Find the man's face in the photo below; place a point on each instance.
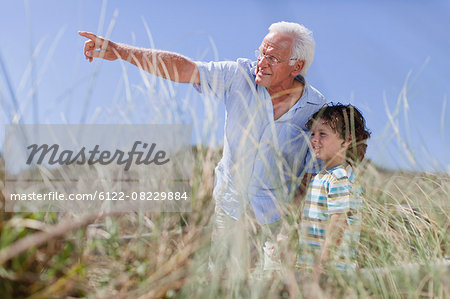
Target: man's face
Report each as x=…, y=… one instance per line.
x=278, y=76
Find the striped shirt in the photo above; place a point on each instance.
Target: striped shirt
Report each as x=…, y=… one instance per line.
x=331, y=191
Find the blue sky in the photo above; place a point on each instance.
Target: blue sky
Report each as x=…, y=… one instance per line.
x=388, y=58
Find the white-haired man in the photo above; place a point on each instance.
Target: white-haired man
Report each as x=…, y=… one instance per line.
x=268, y=103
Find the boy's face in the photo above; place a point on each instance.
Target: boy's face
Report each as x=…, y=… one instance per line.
x=327, y=144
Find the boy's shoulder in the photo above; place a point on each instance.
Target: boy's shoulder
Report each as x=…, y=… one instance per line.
x=342, y=171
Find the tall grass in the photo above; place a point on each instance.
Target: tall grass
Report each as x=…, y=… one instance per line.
x=403, y=253
x=404, y=243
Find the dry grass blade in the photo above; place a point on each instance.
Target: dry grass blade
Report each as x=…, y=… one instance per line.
x=173, y=274
x=39, y=238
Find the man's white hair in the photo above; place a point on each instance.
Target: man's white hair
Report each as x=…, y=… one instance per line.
x=304, y=45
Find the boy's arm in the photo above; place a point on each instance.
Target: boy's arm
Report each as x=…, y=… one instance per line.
x=305, y=183
x=301, y=190
x=335, y=231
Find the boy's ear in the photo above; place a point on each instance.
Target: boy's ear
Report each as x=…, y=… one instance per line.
x=348, y=142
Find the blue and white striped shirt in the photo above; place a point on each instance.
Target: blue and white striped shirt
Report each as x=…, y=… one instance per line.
x=331, y=191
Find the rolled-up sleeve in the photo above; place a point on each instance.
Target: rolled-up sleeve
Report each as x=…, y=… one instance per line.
x=215, y=77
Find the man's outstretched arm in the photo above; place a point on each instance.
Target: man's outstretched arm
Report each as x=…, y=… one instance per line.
x=164, y=64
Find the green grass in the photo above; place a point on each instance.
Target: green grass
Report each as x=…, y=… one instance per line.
x=404, y=242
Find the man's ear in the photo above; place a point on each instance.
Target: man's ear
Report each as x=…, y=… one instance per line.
x=298, y=67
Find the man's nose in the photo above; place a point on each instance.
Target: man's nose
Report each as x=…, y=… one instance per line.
x=262, y=61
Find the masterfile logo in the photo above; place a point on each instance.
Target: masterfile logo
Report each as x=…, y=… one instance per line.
x=112, y=167
x=53, y=155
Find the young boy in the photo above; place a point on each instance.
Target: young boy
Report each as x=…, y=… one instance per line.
x=331, y=219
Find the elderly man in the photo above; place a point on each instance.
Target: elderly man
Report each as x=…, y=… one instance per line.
x=268, y=103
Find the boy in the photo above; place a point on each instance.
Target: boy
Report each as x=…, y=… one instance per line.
x=331, y=219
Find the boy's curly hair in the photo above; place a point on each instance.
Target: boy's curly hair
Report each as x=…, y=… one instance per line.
x=349, y=123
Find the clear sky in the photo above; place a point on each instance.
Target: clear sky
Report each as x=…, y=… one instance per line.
x=388, y=58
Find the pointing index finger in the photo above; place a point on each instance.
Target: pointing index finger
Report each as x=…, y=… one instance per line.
x=89, y=35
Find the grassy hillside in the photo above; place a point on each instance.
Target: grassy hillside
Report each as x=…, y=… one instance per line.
x=404, y=246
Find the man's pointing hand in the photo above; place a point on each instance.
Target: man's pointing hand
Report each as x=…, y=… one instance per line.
x=98, y=46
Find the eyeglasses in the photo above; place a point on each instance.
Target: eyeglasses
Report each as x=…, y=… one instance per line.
x=272, y=60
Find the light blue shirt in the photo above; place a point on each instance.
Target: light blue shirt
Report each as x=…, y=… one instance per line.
x=263, y=159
